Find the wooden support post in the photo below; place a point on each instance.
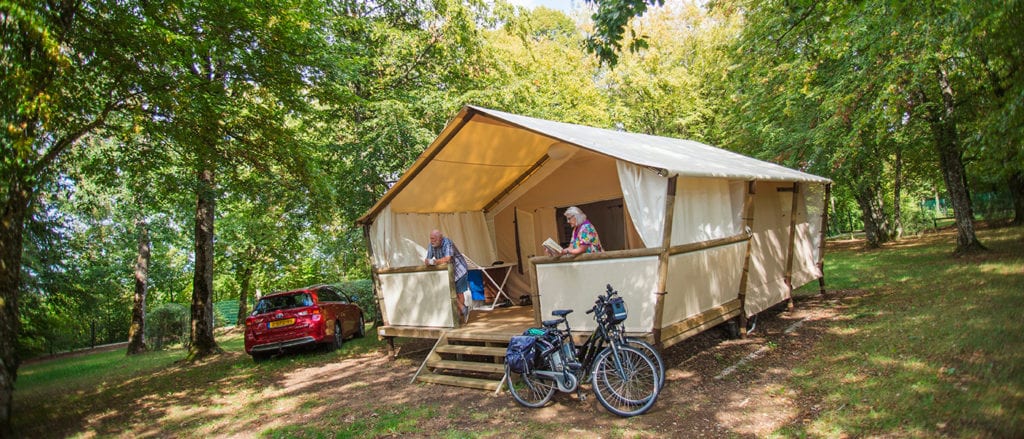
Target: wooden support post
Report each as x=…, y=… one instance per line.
x=748, y=225
x=535, y=294
x=456, y=312
x=792, y=244
x=382, y=319
x=663, y=259
x=824, y=234
x=392, y=352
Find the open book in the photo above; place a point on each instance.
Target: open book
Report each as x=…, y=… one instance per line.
x=552, y=246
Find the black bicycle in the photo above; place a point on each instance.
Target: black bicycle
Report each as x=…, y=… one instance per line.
x=623, y=378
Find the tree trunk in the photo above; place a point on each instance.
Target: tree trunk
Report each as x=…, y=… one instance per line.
x=897, y=220
x=876, y=227
x=243, y=295
x=1016, y=184
x=12, y=222
x=137, y=329
x=950, y=160
x=202, y=341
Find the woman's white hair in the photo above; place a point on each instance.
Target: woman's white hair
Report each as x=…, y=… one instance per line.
x=575, y=212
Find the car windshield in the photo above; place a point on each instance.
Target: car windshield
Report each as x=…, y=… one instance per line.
x=274, y=303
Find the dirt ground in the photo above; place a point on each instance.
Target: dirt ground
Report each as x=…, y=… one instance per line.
x=716, y=387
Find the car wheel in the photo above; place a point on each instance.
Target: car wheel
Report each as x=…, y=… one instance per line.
x=339, y=337
x=361, y=332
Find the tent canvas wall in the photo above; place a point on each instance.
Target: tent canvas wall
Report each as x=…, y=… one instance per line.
x=705, y=234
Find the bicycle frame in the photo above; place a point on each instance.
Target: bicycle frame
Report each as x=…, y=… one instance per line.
x=579, y=359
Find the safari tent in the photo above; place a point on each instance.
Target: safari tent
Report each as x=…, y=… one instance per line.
x=694, y=235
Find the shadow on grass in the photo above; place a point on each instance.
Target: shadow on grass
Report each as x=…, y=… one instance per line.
x=226, y=395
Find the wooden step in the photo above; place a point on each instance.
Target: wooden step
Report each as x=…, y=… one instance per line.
x=472, y=350
x=449, y=380
x=473, y=366
x=464, y=335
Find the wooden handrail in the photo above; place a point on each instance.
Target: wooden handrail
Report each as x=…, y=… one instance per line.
x=641, y=252
x=410, y=269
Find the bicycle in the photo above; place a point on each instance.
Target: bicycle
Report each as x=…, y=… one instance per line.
x=623, y=378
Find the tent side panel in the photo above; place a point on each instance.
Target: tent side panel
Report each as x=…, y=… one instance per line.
x=805, y=268
x=702, y=280
x=575, y=286
x=417, y=299
x=772, y=211
x=807, y=248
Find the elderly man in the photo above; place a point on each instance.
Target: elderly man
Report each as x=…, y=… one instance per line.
x=443, y=251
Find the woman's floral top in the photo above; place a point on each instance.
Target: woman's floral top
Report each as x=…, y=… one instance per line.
x=586, y=235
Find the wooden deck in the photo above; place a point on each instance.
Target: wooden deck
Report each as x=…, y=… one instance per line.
x=500, y=323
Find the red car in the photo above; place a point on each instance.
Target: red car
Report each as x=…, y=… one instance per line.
x=320, y=315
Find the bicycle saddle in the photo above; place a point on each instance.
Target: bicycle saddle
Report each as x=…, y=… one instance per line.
x=552, y=323
x=561, y=312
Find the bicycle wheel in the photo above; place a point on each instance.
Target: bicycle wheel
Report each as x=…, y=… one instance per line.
x=651, y=353
x=529, y=389
x=628, y=386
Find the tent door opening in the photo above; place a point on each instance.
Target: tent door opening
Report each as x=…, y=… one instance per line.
x=608, y=217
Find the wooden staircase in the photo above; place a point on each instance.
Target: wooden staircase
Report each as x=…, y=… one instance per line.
x=466, y=359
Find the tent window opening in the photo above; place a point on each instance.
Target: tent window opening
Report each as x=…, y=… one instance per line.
x=608, y=217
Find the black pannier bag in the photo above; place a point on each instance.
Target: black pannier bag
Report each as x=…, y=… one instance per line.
x=616, y=310
x=521, y=355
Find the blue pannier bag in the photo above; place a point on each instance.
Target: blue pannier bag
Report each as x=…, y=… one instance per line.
x=521, y=355
x=616, y=310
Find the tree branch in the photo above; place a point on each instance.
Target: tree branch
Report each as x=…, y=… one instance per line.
x=62, y=144
x=799, y=21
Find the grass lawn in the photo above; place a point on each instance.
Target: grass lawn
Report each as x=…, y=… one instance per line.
x=922, y=345
x=935, y=346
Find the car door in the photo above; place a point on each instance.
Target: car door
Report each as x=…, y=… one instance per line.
x=339, y=310
x=351, y=313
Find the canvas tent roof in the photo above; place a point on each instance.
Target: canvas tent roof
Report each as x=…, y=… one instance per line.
x=482, y=154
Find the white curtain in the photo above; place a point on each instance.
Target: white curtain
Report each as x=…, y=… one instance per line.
x=644, y=192
x=381, y=231
x=401, y=239
x=814, y=200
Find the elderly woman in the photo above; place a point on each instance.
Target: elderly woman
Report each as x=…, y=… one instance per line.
x=584, y=235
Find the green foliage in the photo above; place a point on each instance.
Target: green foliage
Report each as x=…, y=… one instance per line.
x=610, y=22
x=917, y=220
x=361, y=291
x=167, y=324
x=534, y=67
x=839, y=89
x=676, y=87
x=78, y=294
